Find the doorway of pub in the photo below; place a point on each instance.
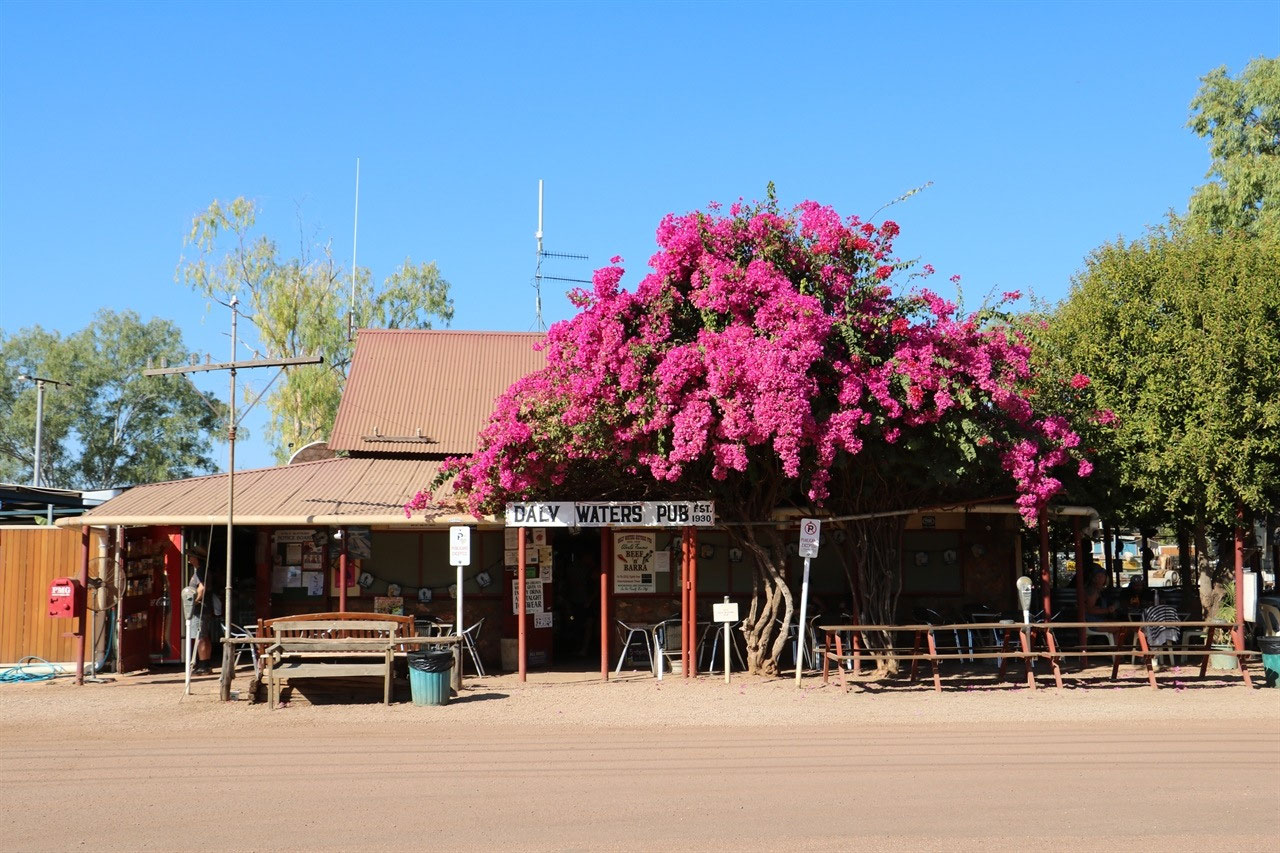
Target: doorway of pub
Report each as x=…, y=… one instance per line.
x=576, y=606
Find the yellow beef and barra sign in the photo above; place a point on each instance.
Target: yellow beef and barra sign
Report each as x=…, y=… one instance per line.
x=612, y=514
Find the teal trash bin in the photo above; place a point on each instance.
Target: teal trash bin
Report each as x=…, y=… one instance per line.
x=429, y=677
x=1270, y=648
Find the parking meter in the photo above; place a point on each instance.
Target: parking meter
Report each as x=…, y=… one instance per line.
x=1024, y=594
x=1024, y=600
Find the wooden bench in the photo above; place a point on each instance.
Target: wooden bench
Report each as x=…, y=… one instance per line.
x=332, y=645
x=1051, y=651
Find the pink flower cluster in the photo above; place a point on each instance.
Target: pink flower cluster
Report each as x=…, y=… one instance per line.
x=760, y=336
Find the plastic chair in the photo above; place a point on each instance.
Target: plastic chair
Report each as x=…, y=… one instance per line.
x=628, y=633
x=468, y=639
x=1269, y=619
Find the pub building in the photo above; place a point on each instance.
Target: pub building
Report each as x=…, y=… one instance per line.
x=328, y=531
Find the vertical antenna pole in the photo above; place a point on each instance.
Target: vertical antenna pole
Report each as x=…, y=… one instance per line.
x=355, y=233
x=537, y=273
x=228, y=653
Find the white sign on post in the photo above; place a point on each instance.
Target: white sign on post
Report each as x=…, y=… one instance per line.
x=810, y=531
x=727, y=612
x=459, y=555
x=459, y=546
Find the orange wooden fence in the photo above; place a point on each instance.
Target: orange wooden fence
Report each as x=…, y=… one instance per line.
x=31, y=557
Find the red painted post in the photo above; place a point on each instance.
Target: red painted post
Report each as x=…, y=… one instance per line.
x=693, y=603
x=604, y=604
x=685, y=559
x=1237, y=635
x=1046, y=581
x=520, y=620
x=1080, y=571
x=342, y=573
x=82, y=613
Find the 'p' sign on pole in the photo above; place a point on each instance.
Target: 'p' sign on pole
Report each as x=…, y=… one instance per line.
x=810, y=531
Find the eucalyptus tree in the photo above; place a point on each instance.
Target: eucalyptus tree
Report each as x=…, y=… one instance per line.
x=111, y=426
x=1240, y=118
x=301, y=306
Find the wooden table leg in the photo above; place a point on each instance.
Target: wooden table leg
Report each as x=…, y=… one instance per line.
x=933, y=650
x=1237, y=639
x=1208, y=644
x=1146, y=658
x=1004, y=659
x=855, y=638
x=1053, y=656
x=840, y=669
x=915, y=661
x=826, y=655
x=1026, y=651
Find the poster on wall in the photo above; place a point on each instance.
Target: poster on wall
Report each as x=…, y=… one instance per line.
x=314, y=582
x=510, y=557
x=359, y=543
x=511, y=537
x=533, y=601
x=633, y=562
x=392, y=604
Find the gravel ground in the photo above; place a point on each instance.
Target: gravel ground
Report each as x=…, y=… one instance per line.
x=565, y=762
x=581, y=700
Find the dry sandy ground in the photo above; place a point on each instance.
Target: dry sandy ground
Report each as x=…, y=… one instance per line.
x=567, y=763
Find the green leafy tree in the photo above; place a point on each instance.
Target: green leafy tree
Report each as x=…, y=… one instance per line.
x=1241, y=119
x=1180, y=333
x=112, y=426
x=300, y=307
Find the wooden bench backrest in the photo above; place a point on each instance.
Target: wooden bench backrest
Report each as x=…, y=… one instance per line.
x=338, y=625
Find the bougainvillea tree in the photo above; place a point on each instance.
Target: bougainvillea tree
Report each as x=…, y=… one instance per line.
x=766, y=361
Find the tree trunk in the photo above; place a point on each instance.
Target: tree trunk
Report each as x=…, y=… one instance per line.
x=771, y=601
x=876, y=546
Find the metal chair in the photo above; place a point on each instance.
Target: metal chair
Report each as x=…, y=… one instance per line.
x=627, y=634
x=716, y=629
x=468, y=639
x=242, y=648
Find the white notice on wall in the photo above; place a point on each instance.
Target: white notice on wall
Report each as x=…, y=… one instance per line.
x=662, y=561
x=511, y=537
x=314, y=582
x=542, y=620
x=532, y=596
x=510, y=557
x=633, y=561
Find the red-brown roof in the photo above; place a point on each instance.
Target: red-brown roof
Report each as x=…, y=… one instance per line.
x=427, y=391
x=331, y=491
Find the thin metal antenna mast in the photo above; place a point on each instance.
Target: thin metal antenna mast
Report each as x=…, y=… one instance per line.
x=355, y=234
x=537, y=272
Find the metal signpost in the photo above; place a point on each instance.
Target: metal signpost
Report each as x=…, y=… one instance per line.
x=459, y=555
x=810, y=531
x=728, y=614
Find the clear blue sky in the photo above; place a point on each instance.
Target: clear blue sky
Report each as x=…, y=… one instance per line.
x=1045, y=128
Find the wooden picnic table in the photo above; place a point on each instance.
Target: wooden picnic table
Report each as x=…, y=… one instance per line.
x=924, y=635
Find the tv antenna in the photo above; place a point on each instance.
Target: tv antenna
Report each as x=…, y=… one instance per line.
x=537, y=273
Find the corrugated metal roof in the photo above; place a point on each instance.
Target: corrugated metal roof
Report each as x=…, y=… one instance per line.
x=406, y=385
x=331, y=491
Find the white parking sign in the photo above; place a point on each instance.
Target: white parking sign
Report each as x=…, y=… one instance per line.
x=810, y=530
x=459, y=546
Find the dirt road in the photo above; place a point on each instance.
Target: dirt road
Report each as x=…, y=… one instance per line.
x=206, y=776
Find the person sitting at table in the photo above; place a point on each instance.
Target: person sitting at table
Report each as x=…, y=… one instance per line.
x=1091, y=606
